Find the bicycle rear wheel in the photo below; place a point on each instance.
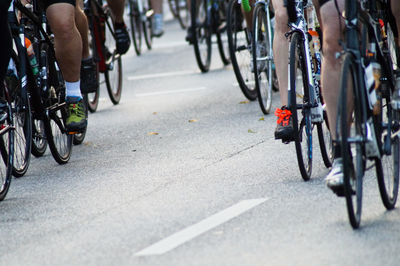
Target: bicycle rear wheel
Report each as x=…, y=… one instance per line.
x=299, y=105
x=201, y=34
x=182, y=13
x=113, y=73
x=60, y=142
x=6, y=142
x=350, y=135
x=136, y=26
x=39, y=140
x=239, y=48
x=325, y=141
x=22, y=121
x=221, y=32
x=262, y=57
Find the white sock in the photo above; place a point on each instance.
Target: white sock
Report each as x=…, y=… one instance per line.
x=73, y=89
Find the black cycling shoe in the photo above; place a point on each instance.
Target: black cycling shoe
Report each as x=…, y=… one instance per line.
x=284, y=128
x=189, y=36
x=89, y=77
x=122, y=38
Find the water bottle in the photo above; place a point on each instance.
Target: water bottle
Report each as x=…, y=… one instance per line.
x=31, y=57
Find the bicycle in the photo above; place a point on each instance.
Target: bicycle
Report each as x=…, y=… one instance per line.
x=140, y=19
x=103, y=49
x=46, y=87
x=368, y=128
x=208, y=18
x=180, y=10
x=262, y=59
x=304, y=95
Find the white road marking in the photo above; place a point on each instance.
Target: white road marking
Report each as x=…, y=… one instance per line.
x=169, y=92
x=163, y=75
x=199, y=228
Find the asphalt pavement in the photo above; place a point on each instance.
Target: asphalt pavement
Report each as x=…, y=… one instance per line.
x=184, y=171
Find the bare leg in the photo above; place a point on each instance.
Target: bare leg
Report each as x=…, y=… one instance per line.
x=83, y=28
x=249, y=16
x=117, y=7
x=156, y=5
x=68, y=43
x=331, y=66
x=281, y=48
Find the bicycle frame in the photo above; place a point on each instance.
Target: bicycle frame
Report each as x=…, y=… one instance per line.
x=300, y=26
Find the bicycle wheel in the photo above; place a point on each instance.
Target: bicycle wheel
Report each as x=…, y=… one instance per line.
x=182, y=13
x=147, y=24
x=240, y=50
x=325, y=141
x=262, y=57
x=298, y=105
x=201, y=34
x=222, y=36
x=349, y=133
x=173, y=7
x=136, y=26
x=23, y=125
x=388, y=165
x=7, y=152
x=113, y=73
x=39, y=141
x=60, y=142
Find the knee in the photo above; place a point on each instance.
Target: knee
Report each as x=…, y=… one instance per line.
x=331, y=37
x=281, y=20
x=63, y=29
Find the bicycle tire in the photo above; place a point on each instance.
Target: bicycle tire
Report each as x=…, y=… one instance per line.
x=113, y=73
x=201, y=34
x=136, y=26
x=353, y=164
x=173, y=8
x=59, y=141
x=147, y=26
x=22, y=121
x=221, y=32
x=298, y=102
x=239, y=44
x=182, y=13
x=39, y=140
x=7, y=153
x=6, y=145
x=262, y=45
x=325, y=141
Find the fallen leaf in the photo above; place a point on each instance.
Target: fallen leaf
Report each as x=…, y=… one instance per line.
x=192, y=120
x=152, y=133
x=243, y=102
x=261, y=119
x=154, y=113
x=251, y=131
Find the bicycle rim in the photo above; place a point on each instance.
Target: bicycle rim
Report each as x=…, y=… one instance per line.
x=39, y=141
x=239, y=48
x=136, y=26
x=349, y=129
x=262, y=58
x=201, y=35
x=298, y=100
x=113, y=72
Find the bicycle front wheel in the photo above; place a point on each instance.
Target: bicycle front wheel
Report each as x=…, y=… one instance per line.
x=299, y=105
x=325, y=141
x=350, y=134
x=201, y=34
x=240, y=50
x=262, y=57
x=113, y=73
x=136, y=26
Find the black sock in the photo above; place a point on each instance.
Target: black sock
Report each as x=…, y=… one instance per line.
x=337, y=153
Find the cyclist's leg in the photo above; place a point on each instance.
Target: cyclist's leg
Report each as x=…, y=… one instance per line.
x=330, y=78
x=158, y=30
x=89, y=81
x=68, y=49
x=249, y=16
x=121, y=33
x=284, y=130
